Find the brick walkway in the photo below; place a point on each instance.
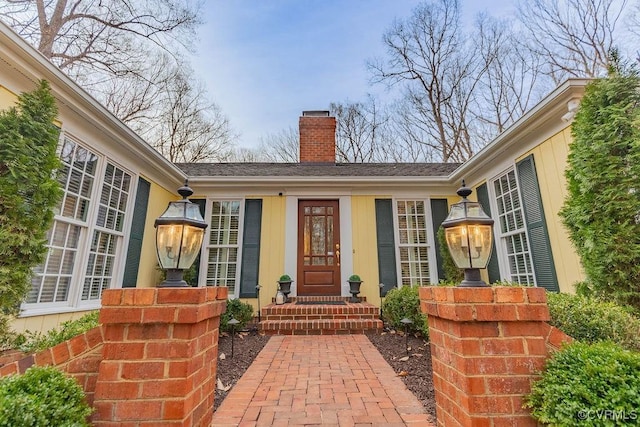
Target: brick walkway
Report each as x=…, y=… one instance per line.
x=320, y=380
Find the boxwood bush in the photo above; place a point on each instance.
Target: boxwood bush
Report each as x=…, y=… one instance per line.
x=32, y=342
x=588, y=385
x=241, y=311
x=404, y=302
x=590, y=320
x=42, y=396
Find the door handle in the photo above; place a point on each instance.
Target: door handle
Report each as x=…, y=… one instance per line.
x=338, y=257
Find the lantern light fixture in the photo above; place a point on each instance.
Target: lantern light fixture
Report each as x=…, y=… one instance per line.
x=179, y=234
x=469, y=234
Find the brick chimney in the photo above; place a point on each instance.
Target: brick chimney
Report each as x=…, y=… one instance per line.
x=317, y=137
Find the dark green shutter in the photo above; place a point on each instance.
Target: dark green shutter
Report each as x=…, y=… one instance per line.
x=493, y=268
x=542, y=257
x=192, y=280
x=439, y=212
x=136, y=235
x=386, y=245
x=250, y=248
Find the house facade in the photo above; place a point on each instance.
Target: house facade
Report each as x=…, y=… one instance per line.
x=317, y=221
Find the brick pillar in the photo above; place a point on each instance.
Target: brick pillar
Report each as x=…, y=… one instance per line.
x=317, y=137
x=159, y=356
x=487, y=345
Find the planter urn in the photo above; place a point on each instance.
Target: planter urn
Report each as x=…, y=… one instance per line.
x=285, y=288
x=354, y=289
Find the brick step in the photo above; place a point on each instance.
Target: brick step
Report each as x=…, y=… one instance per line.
x=321, y=327
x=294, y=318
x=319, y=312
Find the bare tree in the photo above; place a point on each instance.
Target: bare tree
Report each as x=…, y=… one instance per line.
x=361, y=131
x=438, y=67
x=127, y=53
x=191, y=130
x=574, y=37
x=281, y=147
x=91, y=33
x=513, y=80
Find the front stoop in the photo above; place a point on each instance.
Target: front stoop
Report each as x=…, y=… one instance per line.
x=320, y=319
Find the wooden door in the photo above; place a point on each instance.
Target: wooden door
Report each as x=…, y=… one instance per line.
x=318, y=248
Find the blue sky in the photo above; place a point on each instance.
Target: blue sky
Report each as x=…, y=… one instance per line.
x=265, y=61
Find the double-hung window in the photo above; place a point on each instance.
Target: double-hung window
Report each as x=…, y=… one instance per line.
x=87, y=232
x=413, y=245
x=223, y=244
x=511, y=229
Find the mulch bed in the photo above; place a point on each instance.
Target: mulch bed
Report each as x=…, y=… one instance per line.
x=415, y=370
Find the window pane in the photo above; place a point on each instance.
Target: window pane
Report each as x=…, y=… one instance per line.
x=99, y=272
x=223, y=247
x=413, y=245
x=512, y=229
x=113, y=198
x=51, y=280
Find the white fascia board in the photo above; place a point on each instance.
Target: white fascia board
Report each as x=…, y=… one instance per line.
x=525, y=133
x=36, y=66
x=202, y=184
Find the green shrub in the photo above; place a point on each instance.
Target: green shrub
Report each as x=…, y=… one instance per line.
x=590, y=320
x=583, y=381
x=451, y=271
x=32, y=342
x=404, y=302
x=28, y=194
x=241, y=311
x=42, y=396
x=285, y=278
x=602, y=203
x=354, y=278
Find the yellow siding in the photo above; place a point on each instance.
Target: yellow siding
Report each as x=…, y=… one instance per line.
x=551, y=160
x=365, y=249
x=45, y=322
x=148, y=273
x=272, y=236
x=7, y=98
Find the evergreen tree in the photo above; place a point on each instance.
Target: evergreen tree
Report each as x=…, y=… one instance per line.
x=602, y=210
x=28, y=193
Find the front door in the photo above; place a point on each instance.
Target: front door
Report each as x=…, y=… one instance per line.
x=318, y=248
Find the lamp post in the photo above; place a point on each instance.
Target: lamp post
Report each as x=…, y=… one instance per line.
x=381, y=286
x=406, y=322
x=179, y=234
x=258, y=287
x=469, y=235
x=233, y=322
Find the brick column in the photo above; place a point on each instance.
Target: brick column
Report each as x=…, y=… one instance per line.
x=159, y=356
x=487, y=345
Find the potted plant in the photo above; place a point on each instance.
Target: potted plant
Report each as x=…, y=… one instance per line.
x=284, y=284
x=354, y=287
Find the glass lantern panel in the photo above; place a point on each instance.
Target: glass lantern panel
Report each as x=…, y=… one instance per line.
x=458, y=244
x=191, y=243
x=174, y=210
x=480, y=238
x=168, y=239
x=193, y=212
x=456, y=212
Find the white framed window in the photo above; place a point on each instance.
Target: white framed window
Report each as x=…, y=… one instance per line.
x=223, y=244
x=413, y=242
x=88, y=231
x=511, y=230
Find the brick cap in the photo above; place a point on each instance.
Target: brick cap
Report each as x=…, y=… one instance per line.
x=162, y=296
x=497, y=303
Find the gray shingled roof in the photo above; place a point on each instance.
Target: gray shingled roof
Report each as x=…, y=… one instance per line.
x=320, y=170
